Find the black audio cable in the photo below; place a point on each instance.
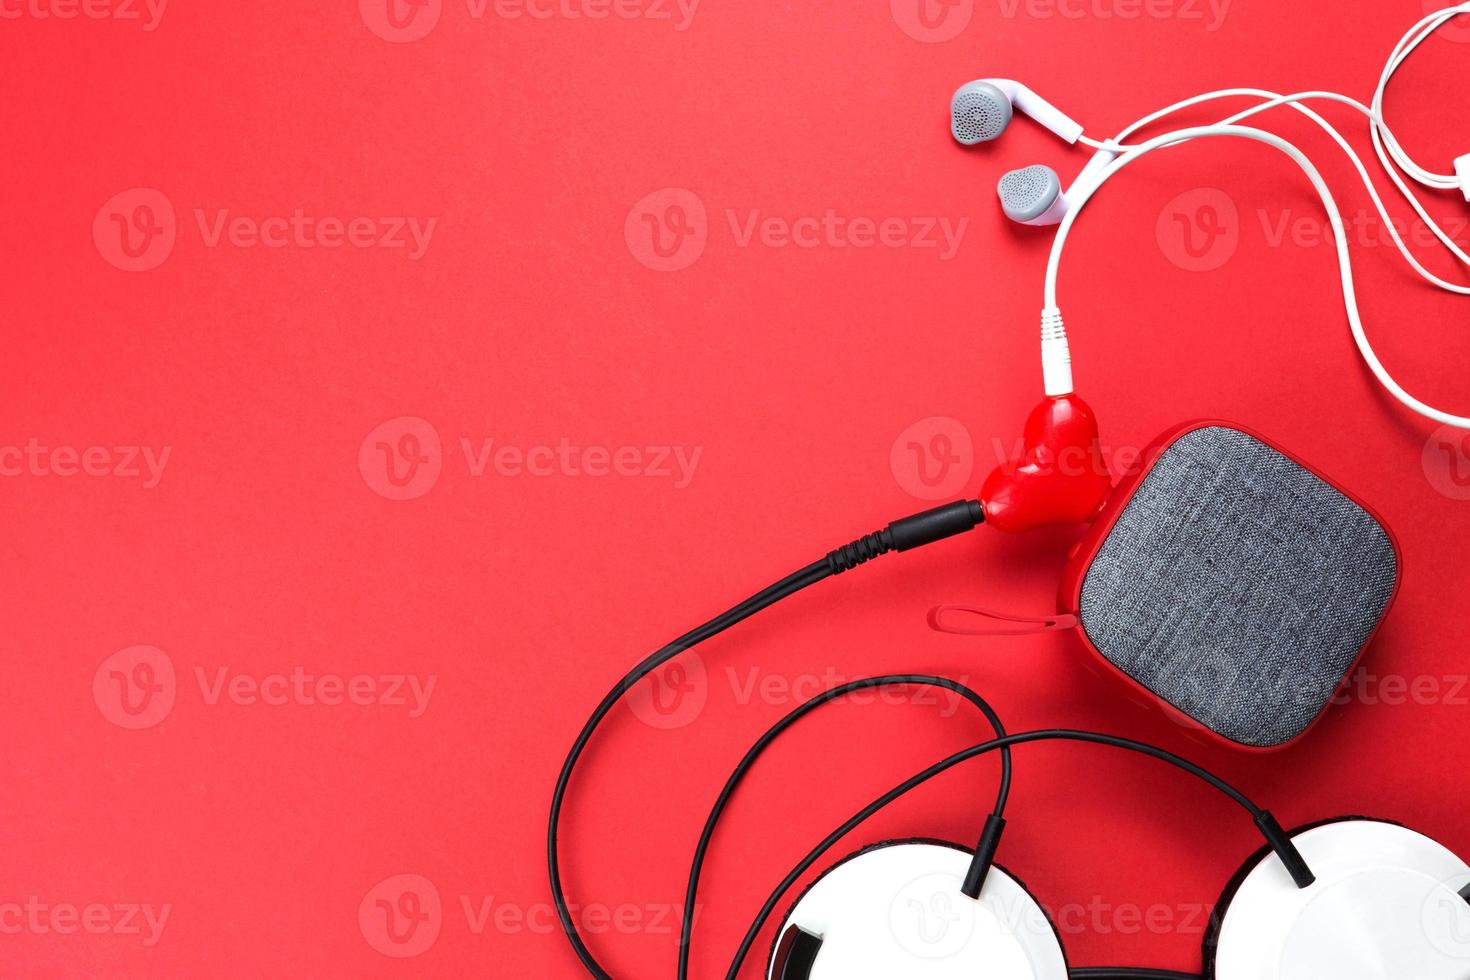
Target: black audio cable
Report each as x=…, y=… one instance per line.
x=990, y=837
x=1267, y=824
x=901, y=535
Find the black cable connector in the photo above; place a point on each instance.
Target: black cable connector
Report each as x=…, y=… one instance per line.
x=901, y=535
x=984, y=858
x=1285, y=848
x=907, y=533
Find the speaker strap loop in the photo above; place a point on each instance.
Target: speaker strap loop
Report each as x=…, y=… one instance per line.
x=978, y=621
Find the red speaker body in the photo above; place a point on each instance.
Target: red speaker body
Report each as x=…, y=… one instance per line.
x=1231, y=584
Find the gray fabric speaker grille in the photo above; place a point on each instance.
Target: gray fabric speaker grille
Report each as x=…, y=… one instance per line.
x=1026, y=193
x=1238, y=586
x=979, y=113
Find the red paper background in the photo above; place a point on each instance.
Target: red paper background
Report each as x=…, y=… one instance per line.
x=796, y=373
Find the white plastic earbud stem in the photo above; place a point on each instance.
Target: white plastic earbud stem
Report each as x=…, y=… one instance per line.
x=1039, y=109
x=1462, y=171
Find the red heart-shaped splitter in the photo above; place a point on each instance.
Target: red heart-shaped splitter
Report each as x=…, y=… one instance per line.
x=1060, y=476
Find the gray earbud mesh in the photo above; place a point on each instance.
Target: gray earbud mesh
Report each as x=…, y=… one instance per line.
x=1238, y=586
x=979, y=112
x=1027, y=193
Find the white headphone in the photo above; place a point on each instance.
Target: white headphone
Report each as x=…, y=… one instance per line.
x=1384, y=905
x=980, y=111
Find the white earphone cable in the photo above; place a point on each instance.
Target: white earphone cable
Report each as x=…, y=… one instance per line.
x=1056, y=357
x=1051, y=316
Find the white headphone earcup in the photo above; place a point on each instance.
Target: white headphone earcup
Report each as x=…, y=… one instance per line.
x=896, y=910
x=1386, y=906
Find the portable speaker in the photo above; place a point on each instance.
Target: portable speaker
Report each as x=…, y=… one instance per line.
x=1233, y=583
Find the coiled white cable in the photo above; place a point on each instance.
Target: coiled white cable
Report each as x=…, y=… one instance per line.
x=1056, y=357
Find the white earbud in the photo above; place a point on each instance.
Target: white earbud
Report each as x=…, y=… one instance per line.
x=1034, y=196
x=981, y=110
